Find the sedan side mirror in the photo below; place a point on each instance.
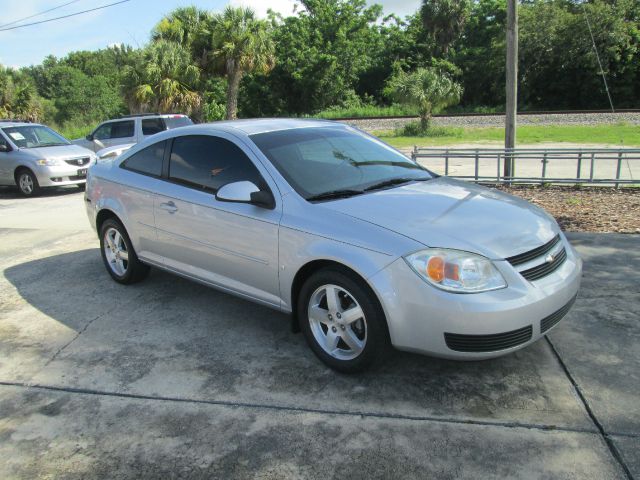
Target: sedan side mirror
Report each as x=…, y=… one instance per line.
x=245, y=192
x=4, y=148
x=89, y=137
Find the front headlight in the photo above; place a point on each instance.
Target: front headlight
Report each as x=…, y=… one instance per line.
x=48, y=162
x=456, y=271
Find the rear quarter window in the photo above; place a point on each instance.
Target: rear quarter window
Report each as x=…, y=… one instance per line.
x=147, y=161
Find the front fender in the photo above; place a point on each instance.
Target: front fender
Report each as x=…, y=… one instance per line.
x=298, y=248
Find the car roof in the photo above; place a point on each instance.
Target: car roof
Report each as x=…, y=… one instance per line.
x=145, y=116
x=263, y=125
x=5, y=123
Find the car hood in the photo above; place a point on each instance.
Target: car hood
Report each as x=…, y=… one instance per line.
x=60, y=152
x=447, y=213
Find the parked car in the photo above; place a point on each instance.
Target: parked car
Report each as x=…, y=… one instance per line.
x=363, y=246
x=33, y=156
x=131, y=129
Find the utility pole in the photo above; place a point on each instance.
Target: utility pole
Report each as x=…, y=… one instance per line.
x=512, y=86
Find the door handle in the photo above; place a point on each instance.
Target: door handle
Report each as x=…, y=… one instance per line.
x=169, y=207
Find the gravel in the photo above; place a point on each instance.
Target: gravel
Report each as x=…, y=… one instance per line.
x=498, y=120
x=590, y=209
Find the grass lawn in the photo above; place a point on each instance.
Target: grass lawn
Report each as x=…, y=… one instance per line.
x=615, y=134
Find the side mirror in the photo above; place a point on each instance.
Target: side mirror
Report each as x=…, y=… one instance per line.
x=4, y=148
x=245, y=192
x=89, y=137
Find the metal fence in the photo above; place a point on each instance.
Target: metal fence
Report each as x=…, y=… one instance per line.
x=535, y=165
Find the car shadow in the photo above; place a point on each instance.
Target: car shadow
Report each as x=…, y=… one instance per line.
x=12, y=193
x=170, y=336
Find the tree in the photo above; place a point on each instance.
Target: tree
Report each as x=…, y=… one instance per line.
x=164, y=80
x=427, y=89
x=240, y=44
x=190, y=27
x=444, y=20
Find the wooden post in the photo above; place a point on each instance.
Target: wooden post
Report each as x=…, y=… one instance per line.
x=512, y=86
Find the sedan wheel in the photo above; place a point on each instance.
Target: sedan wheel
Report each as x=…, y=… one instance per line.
x=118, y=254
x=342, y=320
x=27, y=183
x=116, y=251
x=337, y=322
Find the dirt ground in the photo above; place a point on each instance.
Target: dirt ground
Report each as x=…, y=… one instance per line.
x=586, y=209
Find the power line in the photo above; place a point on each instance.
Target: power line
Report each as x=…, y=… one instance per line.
x=595, y=49
x=64, y=16
x=38, y=14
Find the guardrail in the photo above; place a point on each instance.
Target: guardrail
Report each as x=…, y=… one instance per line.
x=575, y=166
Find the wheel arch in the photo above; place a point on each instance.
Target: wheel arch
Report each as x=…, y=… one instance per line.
x=308, y=269
x=20, y=168
x=104, y=215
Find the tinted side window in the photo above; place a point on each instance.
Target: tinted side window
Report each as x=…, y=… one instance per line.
x=122, y=129
x=210, y=162
x=151, y=126
x=103, y=132
x=3, y=141
x=148, y=160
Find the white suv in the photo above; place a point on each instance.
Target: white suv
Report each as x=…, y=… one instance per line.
x=130, y=129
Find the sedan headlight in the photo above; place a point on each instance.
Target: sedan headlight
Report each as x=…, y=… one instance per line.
x=49, y=162
x=456, y=271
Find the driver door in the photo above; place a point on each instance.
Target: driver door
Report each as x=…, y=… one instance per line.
x=231, y=245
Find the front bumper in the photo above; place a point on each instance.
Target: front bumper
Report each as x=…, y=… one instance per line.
x=427, y=320
x=58, y=176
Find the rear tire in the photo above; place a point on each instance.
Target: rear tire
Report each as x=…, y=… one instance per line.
x=349, y=334
x=27, y=182
x=118, y=255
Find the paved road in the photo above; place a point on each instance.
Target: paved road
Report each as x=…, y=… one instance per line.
x=168, y=379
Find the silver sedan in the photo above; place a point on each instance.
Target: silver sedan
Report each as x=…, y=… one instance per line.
x=33, y=156
x=365, y=248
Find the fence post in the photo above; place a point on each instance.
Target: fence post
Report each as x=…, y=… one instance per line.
x=414, y=153
x=619, y=168
x=446, y=162
x=477, y=161
x=579, y=164
x=544, y=167
x=593, y=160
x=498, y=169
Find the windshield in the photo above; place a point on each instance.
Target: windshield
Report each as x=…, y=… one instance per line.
x=320, y=160
x=33, y=136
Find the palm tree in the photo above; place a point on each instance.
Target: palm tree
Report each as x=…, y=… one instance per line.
x=240, y=44
x=426, y=88
x=444, y=20
x=188, y=26
x=163, y=80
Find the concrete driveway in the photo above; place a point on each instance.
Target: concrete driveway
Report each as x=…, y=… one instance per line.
x=169, y=379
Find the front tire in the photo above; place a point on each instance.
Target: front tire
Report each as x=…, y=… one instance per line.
x=118, y=255
x=342, y=321
x=27, y=183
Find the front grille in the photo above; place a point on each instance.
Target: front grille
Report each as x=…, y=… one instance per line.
x=535, y=253
x=548, y=322
x=546, y=268
x=78, y=162
x=488, y=343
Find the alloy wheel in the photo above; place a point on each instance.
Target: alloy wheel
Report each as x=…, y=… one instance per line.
x=115, y=250
x=337, y=322
x=25, y=181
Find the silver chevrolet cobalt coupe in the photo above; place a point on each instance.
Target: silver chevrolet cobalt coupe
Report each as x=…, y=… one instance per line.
x=364, y=247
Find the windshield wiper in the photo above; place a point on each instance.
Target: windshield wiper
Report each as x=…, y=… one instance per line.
x=395, y=181
x=332, y=194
